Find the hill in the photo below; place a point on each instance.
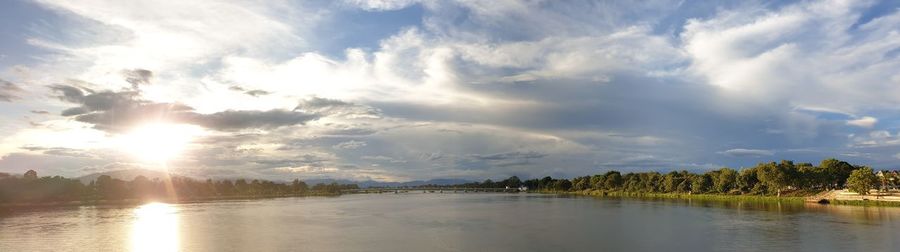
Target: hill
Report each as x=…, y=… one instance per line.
x=126, y=175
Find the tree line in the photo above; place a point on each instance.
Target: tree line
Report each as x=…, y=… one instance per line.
x=30, y=188
x=772, y=178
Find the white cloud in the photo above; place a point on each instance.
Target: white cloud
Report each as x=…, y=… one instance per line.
x=748, y=152
x=382, y=5
x=349, y=145
x=864, y=122
x=799, y=54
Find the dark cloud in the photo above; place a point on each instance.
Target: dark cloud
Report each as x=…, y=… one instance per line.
x=241, y=119
x=59, y=151
x=254, y=92
x=137, y=77
x=116, y=111
x=257, y=93
x=8, y=90
x=68, y=93
x=40, y=112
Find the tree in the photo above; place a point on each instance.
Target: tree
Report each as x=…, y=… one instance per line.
x=700, y=183
x=597, y=181
x=725, y=181
x=30, y=175
x=747, y=180
x=836, y=172
x=298, y=186
x=613, y=180
x=581, y=183
x=513, y=182
x=670, y=181
x=562, y=185
x=772, y=175
x=861, y=180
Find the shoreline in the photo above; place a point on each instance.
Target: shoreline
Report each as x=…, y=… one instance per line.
x=722, y=197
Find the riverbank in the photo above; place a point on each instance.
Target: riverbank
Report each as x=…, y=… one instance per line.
x=688, y=196
x=843, y=199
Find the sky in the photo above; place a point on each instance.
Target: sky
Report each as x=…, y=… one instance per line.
x=411, y=90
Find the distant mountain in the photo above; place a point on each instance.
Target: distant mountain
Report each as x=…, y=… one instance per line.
x=129, y=174
x=126, y=175
x=371, y=183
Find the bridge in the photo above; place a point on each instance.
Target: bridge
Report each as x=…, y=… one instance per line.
x=431, y=190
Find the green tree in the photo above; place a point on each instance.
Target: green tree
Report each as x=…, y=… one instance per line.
x=836, y=172
x=670, y=181
x=726, y=180
x=513, y=182
x=772, y=176
x=701, y=183
x=597, y=181
x=613, y=180
x=861, y=180
x=747, y=180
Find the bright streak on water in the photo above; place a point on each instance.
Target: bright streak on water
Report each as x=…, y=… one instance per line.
x=155, y=228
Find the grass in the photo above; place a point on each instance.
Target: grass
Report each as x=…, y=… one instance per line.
x=724, y=198
x=711, y=197
x=873, y=203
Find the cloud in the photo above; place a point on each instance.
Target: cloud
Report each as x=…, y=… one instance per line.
x=349, y=145
x=117, y=111
x=60, y=151
x=509, y=155
x=254, y=92
x=382, y=5
x=8, y=91
x=257, y=92
x=333, y=107
x=748, y=152
x=473, y=89
x=380, y=158
x=137, y=77
x=236, y=120
x=864, y=122
x=875, y=139
x=798, y=53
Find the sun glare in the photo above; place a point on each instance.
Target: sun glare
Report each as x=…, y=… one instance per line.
x=159, y=142
x=155, y=228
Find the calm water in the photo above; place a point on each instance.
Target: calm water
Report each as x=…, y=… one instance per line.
x=455, y=222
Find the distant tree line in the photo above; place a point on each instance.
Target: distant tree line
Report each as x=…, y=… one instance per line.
x=771, y=178
x=31, y=188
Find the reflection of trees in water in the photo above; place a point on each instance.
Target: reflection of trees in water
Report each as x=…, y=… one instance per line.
x=858, y=213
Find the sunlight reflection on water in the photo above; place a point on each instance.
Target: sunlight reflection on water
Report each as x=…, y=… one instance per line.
x=155, y=228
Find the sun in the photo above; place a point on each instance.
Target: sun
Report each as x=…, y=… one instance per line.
x=159, y=142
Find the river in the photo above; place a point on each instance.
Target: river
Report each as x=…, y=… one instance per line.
x=454, y=222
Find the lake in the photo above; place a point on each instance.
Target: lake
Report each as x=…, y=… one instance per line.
x=455, y=222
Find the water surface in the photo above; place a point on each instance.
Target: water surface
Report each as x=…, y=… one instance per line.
x=455, y=222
